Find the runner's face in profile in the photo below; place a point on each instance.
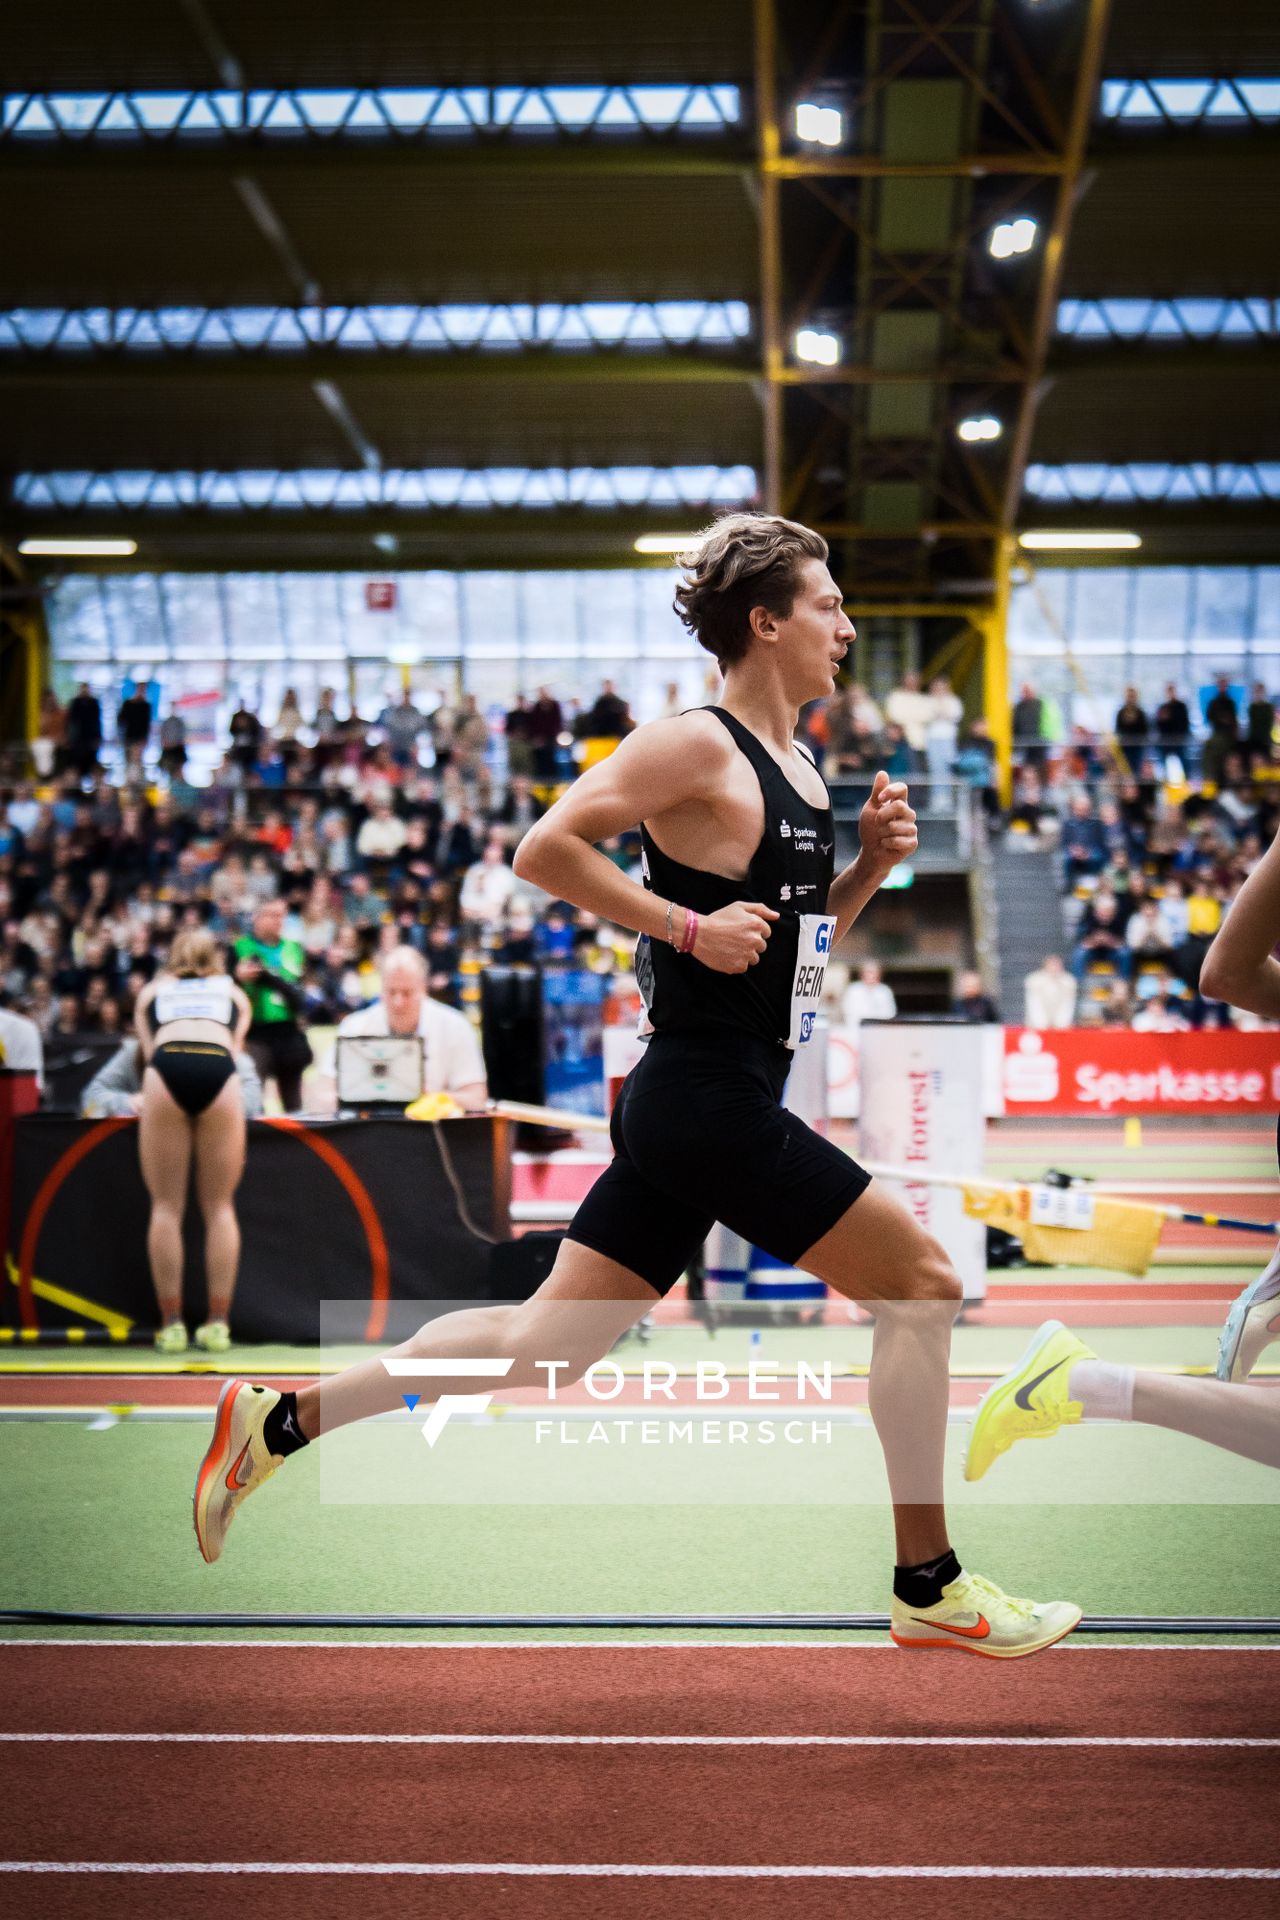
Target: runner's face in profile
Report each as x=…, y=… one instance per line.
x=814, y=638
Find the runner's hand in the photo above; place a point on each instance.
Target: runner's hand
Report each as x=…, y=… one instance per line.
x=887, y=825
x=733, y=938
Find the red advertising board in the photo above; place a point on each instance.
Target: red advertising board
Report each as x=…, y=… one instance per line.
x=1109, y=1071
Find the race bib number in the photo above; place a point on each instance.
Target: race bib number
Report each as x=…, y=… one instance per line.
x=206, y=998
x=813, y=950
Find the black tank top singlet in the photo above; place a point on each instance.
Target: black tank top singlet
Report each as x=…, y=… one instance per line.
x=791, y=870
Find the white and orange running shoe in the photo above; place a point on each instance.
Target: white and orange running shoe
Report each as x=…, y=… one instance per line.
x=975, y=1616
x=235, y=1464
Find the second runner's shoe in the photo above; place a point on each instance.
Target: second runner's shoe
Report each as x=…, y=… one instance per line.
x=1030, y=1402
x=975, y=1616
x=236, y=1463
x=1251, y=1325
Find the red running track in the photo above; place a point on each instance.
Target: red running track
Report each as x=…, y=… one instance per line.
x=480, y=1804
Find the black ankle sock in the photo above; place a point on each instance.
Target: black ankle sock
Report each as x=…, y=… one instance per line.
x=281, y=1432
x=922, y=1586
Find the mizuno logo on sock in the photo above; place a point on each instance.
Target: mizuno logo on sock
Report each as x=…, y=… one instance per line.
x=1022, y=1397
x=287, y=1424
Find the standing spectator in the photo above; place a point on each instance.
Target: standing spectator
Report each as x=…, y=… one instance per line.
x=975, y=763
x=246, y=738
x=1262, y=723
x=609, y=717
x=1028, y=729
x=973, y=1003
x=910, y=708
x=1132, y=727
x=546, y=722
x=47, y=749
x=942, y=733
x=516, y=729
x=869, y=997
x=470, y=737
x=404, y=724
x=173, y=744
x=1050, y=995
x=289, y=724
x=270, y=969
x=1223, y=717
x=133, y=726
x=1173, y=729
x=83, y=732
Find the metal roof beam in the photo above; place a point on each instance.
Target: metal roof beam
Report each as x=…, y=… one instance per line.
x=714, y=159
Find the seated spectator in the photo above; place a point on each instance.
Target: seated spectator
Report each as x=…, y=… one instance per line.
x=975, y=763
x=116, y=1088
x=453, y=1062
x=1159, y=1015
x=1116, y=1007
x=973, y=1003
x=1101, y=940
x=1083, y=844
x=1050, y=994
x=381, y=836
x=909, y=710
x=869, y=997
x=487, y=887
x=895, y=754
x=1148, y=934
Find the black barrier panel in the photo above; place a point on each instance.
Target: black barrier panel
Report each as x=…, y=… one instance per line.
x=327, y=1212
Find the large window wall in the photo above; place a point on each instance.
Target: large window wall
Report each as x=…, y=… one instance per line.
x=211, y=640
x=1081, y=635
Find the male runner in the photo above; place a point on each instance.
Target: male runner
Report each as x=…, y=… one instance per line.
x=740, y=910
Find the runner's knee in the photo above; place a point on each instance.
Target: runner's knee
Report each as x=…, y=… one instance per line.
x=934, y=1277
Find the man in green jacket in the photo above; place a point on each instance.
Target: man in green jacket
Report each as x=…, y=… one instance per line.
x=270, y=970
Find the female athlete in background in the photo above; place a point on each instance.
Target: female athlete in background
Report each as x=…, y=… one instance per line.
x=191, y=1022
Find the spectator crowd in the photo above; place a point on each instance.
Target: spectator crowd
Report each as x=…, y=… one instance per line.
x=320, y=843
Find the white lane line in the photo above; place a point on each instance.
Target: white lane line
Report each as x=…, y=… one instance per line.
x=526, y=1869
x=640, y=1739
x=846, y=1644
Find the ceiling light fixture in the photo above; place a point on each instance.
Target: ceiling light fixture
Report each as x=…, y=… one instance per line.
x=1082, y=540
x=666, y=542
x=1012, y=236
x=817, y=349
x=38, y=548
x=819, y=126
x=981, y=426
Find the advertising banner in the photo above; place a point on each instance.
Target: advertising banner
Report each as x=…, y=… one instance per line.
x=922, y=1106
x=1104, y=1072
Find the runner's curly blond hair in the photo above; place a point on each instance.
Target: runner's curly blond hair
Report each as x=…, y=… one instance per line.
x=743, y=561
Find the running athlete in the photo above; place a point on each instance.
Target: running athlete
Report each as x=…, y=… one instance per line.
x=740, y=908
x=1060, y=1381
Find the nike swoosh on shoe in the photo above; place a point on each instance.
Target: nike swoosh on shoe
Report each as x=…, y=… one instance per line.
x=979, y=1632
x=233, y=1481
x=1022, y=1397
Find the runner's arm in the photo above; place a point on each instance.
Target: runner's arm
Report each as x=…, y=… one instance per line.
x=667, y=764
x=1239, y=966
x=887, y=831
x=663, y=765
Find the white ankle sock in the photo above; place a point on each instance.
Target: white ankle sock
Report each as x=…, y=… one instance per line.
x=1105, y=1392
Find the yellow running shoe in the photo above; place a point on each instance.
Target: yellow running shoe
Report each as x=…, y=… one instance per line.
x=975, y=1616
x=171, y=1338
x=236, y=1463
x=214, y=1336
x=1029, y=1403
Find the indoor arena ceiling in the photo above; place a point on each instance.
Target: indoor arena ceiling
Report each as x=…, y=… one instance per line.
x=512, y=284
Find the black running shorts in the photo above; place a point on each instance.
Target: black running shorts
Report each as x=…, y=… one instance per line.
x=699, y=1136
